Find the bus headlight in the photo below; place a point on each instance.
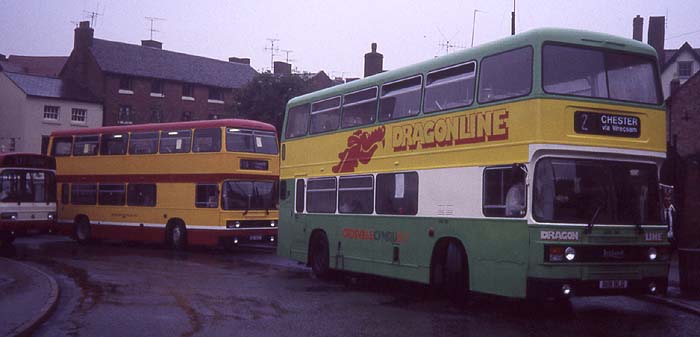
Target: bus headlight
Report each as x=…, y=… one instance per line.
x=273, y=223
x=570, y=253
x=237, y=224
x=51, y=216
x=8, y=216
x=653, y=254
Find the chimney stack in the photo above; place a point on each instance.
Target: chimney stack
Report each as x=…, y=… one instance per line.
x=374, y=62
x=656, y=35
x=241, y=60
x=282, y=68
x=638, y=28
x=83, y=36
x=152, y=44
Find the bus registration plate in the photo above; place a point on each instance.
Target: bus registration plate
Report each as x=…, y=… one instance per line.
x=255, y=238
x=612, y=284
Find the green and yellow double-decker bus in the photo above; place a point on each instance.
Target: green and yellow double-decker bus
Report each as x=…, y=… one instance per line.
x=527, y=167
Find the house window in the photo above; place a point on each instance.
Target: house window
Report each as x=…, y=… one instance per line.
x=186, y=116
x=78, y=115
x=216, y=94
x=685, y=69
x=157, y=88
x=187, y=90
x=156, y=116
x=125, y=83
x=51, y=112
x=126, y=115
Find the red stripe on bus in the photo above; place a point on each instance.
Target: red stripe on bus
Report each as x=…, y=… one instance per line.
x=160, y=178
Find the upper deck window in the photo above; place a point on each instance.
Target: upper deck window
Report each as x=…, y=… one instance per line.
x=400, y=99
x=207, y=140
x=359, y=108
x=241, y=140
x=506, y=75
x=176, y=141
x=114, y=144
x=62, y=146
x=450, y=88
x=325, y=115
x=297, y=121
x=86, y=145
x=143, y=143
x=579, y=71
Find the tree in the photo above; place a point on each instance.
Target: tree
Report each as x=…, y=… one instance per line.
x=265, y=97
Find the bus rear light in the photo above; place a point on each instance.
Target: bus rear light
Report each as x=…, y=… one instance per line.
x=556, y=254
x=9, y=216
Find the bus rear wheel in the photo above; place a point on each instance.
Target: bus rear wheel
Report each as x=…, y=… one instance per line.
x=319, y=256
x=449, y=271
x=83, y=231
x=177, y=236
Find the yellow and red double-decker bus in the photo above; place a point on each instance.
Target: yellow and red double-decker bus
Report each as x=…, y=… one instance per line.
x=202, y=182
x=526, y=167
x=27, y=194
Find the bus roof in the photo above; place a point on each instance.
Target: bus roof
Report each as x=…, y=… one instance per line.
x=28, y=160
x=534, y=37
x=233, y=123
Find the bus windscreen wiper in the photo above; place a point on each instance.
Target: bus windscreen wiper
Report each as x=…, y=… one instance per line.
x=595, y=216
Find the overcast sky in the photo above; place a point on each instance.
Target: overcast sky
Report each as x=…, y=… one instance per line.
x=325, y=35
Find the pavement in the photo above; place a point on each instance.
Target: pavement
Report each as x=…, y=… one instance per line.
x=28, y=296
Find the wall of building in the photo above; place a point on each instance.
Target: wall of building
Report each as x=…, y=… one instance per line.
x=23, y=118
x=684, y=115
x=11, y=99
x=671, y=72
x=171, y=105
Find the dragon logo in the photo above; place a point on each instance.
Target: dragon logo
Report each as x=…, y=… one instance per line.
x=360, y=149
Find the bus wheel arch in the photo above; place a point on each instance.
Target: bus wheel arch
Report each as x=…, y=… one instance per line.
x=449, y=268
x=318, y=254
x=176, y=234
x=82, y=230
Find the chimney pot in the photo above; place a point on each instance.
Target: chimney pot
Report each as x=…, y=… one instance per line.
x=638, y=28
x=83, y=36
x=282, y=68
x=374, y=62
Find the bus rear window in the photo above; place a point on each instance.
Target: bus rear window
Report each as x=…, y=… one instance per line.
x=297, y=121
x=86, y=145
x=506, y=75
x=176, y=141
x=579, y=71
x=143, y=143
x=400, y=99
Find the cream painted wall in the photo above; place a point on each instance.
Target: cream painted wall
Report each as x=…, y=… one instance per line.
x=671, y=72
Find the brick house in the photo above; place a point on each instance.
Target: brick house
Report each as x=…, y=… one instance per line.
x=144, y=83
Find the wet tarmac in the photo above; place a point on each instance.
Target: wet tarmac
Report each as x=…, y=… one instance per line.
x=119, y=289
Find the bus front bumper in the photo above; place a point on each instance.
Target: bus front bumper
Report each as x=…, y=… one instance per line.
x=539, y=288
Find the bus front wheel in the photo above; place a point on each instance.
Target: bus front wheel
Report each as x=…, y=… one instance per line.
x=82, y=231
x=319, y=256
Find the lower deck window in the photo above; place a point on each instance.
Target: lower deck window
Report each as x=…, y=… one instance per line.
x=112, y=194
x=504, y=192
x=83, y=194
x=206, y=196
x=141, y=195
x=356, y=195
x=321, y=195
x=397, y=193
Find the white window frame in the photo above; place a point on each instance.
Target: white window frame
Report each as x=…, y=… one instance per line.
x=75, y=116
